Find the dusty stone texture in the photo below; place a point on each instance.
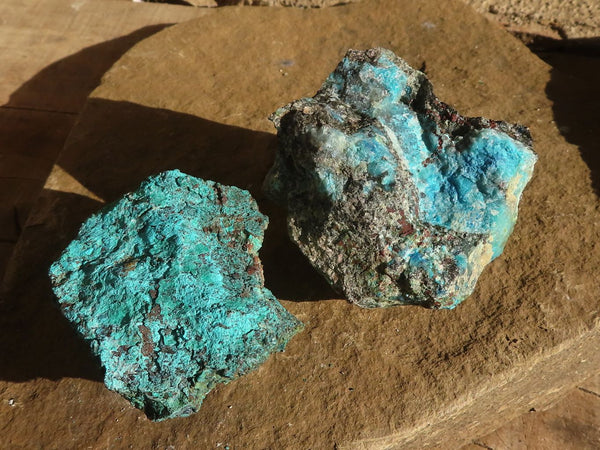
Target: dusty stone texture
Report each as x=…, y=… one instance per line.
x=556, y=18
x=203, y=3
x=572, y=423
x=294, y=3
x=401, y=377
x=570, y=19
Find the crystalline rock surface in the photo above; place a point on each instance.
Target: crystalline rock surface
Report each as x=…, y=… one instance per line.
x=167, y=287
x=391, y=194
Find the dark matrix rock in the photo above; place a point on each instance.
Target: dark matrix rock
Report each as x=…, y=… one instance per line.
x=391, y=194
x=167, y=287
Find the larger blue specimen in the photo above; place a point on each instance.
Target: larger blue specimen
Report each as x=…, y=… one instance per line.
x=167, y=287
x=394, y=196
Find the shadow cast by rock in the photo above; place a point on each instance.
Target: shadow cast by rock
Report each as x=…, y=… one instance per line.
x=575, y=93
x=35, y=123
x=118, y=144
x=64, y=86
x=115, y=146
x=35, y=339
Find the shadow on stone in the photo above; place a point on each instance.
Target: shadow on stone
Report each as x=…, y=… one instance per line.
x=115, y=146
x=36, y=120
x=577, y=433
x=35, y=339
x=575, y=93
x=118, y=144
x=64, y=86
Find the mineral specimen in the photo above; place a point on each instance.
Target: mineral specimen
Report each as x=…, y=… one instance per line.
x=391, y=194
x=167, y=287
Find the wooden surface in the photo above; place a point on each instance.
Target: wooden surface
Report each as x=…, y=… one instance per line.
x=43, y=96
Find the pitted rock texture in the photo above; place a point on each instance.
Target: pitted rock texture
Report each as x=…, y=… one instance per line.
x=391, y=194
x=167, y=287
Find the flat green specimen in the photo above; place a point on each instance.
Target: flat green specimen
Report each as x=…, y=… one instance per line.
x=167, y=287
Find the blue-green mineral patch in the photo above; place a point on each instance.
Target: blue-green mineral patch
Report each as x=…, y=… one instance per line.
x=167, y=287
x=391, y=194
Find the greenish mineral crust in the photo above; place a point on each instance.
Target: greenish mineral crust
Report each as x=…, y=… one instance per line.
x=167, y=287
x=391, y=194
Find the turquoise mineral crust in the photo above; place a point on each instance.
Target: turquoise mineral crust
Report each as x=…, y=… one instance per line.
x=167, y=287
x=392, y=195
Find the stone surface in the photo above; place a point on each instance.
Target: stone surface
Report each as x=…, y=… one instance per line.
x=419, y=377
x=391, y=194
x=38, y=89
x=567, y=19
x=199, y=3
x=553, y=18
x=167, y=287
x=572, y=423
x=293, y=3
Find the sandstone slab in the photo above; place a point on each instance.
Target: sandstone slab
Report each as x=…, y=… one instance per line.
x=355, y=378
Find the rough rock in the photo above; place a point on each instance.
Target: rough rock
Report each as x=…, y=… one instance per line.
x=167, y=287
x=391, y=194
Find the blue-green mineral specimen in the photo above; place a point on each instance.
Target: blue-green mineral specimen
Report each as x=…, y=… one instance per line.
x=391, y=194
x=167, y=287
